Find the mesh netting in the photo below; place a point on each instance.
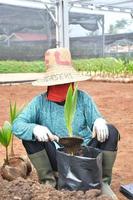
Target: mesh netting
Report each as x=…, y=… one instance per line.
x=26, y=33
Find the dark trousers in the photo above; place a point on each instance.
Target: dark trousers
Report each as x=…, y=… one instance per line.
x=109, y=145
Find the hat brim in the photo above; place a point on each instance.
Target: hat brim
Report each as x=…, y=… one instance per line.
x=61, y=77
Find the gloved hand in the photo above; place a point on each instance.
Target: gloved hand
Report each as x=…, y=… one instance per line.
x=100, y=130
x=43, y=134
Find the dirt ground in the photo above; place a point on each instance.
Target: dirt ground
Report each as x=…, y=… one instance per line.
x=115, y=101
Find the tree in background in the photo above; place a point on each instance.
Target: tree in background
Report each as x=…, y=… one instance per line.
x=120, y=24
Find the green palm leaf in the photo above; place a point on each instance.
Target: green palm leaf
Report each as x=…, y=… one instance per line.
x=14, y=111
x=5, y=134
x=70, y=108
x=74, y=100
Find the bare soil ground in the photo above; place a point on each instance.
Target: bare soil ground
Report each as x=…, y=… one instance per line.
x=115, y=101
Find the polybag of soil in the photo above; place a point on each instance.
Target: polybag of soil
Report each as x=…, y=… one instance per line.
x=80, y=172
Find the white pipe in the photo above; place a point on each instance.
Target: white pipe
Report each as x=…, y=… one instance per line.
x=24, y=3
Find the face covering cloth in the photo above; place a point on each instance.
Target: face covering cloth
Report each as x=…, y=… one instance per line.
x=57, y=93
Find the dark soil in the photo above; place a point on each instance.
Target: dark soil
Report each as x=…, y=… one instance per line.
x=115, y=101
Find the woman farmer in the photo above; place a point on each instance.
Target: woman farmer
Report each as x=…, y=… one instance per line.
x=42, y=121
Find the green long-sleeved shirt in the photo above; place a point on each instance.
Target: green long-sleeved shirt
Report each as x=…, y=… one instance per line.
x=44, y=112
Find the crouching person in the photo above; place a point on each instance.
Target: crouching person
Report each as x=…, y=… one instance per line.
x=42, y=121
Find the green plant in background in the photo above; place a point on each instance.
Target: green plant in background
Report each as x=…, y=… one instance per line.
x=14, y=66
x=14, y=112
x=70, y=108
x=5, y=138
x=102, y=66
x=105, y=66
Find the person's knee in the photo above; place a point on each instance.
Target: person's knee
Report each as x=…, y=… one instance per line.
x=111, y=144
x=114, y=136
x=113, y=132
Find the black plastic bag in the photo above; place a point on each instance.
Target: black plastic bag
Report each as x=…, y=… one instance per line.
x=80, y=172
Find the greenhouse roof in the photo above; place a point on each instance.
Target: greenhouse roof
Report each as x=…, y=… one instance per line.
x=104, y=5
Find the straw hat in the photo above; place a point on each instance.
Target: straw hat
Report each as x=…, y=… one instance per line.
x=59, y=69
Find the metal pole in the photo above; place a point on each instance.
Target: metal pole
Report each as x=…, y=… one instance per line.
x=59, y=28
x=62, y=18
x=57, y=20
x=65, y=23
x=103, y=37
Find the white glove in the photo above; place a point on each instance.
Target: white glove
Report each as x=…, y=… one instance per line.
x=43, y=134
x=100, y=130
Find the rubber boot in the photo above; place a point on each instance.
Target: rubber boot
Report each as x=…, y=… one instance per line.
x=108, y=162
x=43, y=167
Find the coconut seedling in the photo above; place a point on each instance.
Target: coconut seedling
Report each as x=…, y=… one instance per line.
x=14, y=166
x=70, y=108
x=71, y=143
x=5, y=138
